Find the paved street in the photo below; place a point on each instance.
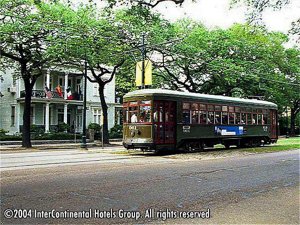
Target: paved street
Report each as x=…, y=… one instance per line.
x=258, y=188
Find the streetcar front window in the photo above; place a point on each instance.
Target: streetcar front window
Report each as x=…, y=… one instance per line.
x=137, y=112
x=133, y=113
x=145, y=113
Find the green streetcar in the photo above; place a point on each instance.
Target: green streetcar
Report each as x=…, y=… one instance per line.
x=156, y=119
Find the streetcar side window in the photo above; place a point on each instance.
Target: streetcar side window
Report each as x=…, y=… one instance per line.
x=202, y=107
x=145, y=113
x=249, y=118
x=224, y=114
x=125, y=112
x=254, y=118
x=217, y=117
x=210, y=118
x=224, y=117
x=203, y=116
x=155, y=113
x=210, y=114
x=259, y=119
x=186, y=113
x=198, y=113
x=243, y=120
x=186, y=117
x=195, y=113
x=160, y=112
x=231, y=118
x=265, y=119
x=133, y=112
x=238, y=118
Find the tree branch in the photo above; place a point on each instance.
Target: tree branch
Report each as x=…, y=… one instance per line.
x=10, y=56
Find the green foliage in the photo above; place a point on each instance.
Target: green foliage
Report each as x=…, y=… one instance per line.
x=132, y=23
x=94, y=126
x=37, y=129
x=10, y=138
x=26, y=33
x=285, y=124
x=145, y=3
x=116, y=132
x=97, y=128
x=220, y=61
x=283, y=144
x=2, y=131
x=45, y=136
x=63, y=127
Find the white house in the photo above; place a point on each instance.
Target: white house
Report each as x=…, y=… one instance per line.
x=63, y=103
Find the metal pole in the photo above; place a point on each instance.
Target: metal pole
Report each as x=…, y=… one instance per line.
x=83, y=143
x=287, y=123
x=102, y=137
x=143, y=60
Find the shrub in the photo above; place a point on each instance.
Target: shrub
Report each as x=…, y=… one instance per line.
x=97, y=128
x=63, y=127
x=94, y=126
x=3, y=132
x=45, y=136
x=38, y=129
x=10, y=138
x=116, y=132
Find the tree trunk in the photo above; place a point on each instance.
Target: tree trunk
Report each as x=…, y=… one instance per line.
x=293, y=120
x=104, y=114
x=26, y=142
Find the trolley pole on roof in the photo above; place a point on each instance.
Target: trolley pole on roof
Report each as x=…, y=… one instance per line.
x=143, y=50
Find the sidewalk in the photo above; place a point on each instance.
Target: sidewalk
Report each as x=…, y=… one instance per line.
x=114, y=145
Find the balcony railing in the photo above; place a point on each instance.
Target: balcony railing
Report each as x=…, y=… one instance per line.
x=52, y=94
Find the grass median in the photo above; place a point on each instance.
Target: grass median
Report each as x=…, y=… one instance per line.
x=282, y=144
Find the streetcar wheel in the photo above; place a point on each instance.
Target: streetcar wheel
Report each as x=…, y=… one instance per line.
x=227, y=145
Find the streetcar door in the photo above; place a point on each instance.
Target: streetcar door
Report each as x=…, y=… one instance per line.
x=273, y=123
x=164, y=122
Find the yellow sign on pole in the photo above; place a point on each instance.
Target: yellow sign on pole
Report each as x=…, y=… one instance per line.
x=148, y=73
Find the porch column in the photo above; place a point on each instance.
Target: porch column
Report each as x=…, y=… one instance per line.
x=47, y=118
x=48, y=79
x=18, y=116
x=66, y=113
x=119, y=117
x=66, y=84
x=19, y=88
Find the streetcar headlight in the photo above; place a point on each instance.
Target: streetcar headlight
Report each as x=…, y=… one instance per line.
x=132, y=133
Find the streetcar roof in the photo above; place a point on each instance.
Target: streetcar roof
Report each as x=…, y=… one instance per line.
x=171, y=93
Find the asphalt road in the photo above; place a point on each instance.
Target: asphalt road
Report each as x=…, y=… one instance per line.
x=259, y=188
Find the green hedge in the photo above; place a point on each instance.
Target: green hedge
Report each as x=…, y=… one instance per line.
x=116, y=132
x=10, y=138
x=49, y=136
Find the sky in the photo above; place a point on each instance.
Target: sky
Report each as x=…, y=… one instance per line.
x=217, y=13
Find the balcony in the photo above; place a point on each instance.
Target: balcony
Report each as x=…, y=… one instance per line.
x=52, y=94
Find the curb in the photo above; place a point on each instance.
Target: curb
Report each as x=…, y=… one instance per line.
x=61, y=147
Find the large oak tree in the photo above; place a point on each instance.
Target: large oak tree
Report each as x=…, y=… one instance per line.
x=87, y=35
x=24, y=40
